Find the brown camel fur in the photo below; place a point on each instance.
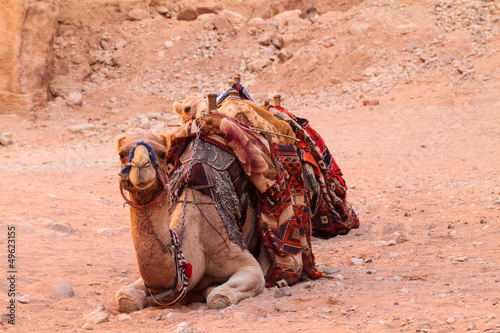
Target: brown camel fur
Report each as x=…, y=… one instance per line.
x=223, y=273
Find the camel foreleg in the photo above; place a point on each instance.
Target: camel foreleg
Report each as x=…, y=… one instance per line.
x=247, y=282
x=133, y=297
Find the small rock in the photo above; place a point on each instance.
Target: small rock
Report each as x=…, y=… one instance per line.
x=405, y=290
x=356, y=261
x=184, y=330
x=257, y=65
x=124, y=317
x=331, y=270
x=450, y=320
x=171, y=315
x=477, y=243
x=462, y=69
x=138, y=15
x=283, y=292
x=97, y=317
x=411, y=48
x=24, y=299
x=59, y=226
x=307, y=285
x=162, y=10
x=483, y=220
x=87, y=327
x=448, y=59
x=339, y=277
x=75, y=98
x=424, y=58
x=471, y=327
x=57, y=286
x=5, y=139
x=397, y=278
x=392, y=242
x=371, y=101
x=105, y=231
x=371, y=271
x=168, y=44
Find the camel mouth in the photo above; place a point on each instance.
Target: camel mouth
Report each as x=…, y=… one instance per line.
x=144, y=185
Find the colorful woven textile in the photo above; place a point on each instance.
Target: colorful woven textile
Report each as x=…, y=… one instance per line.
x=332, y=214
x=284, y=222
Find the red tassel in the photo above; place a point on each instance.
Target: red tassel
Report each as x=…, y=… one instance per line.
x=189, y=270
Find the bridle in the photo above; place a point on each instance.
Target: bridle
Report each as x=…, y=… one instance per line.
x=156, y=165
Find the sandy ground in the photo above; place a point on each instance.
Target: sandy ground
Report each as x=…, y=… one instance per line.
x=422, y=171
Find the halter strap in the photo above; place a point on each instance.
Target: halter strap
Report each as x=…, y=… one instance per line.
x=156, y=165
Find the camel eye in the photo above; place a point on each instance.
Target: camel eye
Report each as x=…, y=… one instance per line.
x=187, y=109
x=162, y=156
x=122, y=156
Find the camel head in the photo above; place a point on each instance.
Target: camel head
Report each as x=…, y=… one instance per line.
x=192, y=107
x=142, y=157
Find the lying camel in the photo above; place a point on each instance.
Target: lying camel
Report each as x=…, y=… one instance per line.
x=186, y=251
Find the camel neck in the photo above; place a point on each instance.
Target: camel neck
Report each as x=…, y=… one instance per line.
x=151, y=235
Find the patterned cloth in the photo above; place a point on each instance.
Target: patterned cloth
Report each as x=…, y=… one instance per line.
x=332, y=214
x=284, y=223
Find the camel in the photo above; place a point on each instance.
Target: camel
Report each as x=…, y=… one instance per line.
x=206, y=263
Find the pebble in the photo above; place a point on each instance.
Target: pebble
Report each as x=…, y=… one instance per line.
x=371, y=271
x=168, y=44
x=483, y=220
x=64, y=227
x=339, y=277
x=371, y=101
x=356, y=261
x=392, y=242
x=306, y=285
x=5, y=139
x=105, y=231
x=471, y=327
x=450, y=320
x=331, y=270
x=24, y=299
x=75, y=98
x=97, y=316
x=405, y=290
x=124, y=317
x=283, y=292
x=87, y=327
x=397, y=278
x=171, y=315
x=138, y=15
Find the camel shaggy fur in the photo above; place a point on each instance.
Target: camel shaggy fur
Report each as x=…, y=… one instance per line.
x=222, y=272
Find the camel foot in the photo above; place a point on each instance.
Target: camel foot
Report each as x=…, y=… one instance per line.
x=221, y=298
x=130, y=299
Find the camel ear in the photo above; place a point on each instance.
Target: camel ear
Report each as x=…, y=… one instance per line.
x=177, y=107
x=163, y=140
x=119, y=142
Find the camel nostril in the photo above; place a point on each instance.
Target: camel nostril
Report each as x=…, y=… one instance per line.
x=141, y=165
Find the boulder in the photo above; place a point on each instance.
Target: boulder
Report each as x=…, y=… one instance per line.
x=28, y=33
